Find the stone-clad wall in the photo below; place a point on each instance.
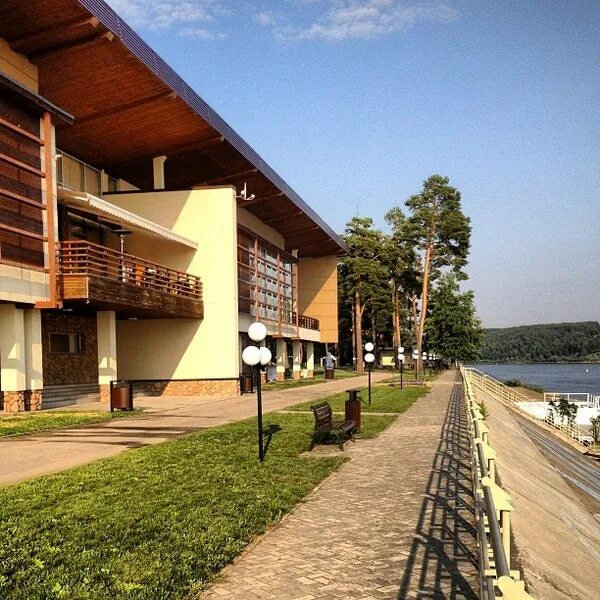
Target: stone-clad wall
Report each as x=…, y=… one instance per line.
x=189, y=387
x=61, y=369
x=14, y=402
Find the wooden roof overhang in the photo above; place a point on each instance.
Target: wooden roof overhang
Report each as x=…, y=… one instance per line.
x=130, y=106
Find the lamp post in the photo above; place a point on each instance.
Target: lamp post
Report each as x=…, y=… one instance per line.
x=401, y=363
x=369, y=358
x=424, y=357
x=258, y=357
x=415, y=356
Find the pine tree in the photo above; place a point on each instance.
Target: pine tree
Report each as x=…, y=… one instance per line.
x=442, y=233
x=364, y=272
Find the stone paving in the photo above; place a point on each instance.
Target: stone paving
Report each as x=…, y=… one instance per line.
x=394, y=522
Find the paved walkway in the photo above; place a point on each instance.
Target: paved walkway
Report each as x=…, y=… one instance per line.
x=32, y=455
x=395, y=522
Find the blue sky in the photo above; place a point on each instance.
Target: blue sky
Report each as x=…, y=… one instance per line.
x=356, y=102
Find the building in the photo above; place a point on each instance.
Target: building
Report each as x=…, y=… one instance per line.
x=139, y=234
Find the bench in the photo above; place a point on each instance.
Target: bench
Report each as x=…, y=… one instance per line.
x=325, y=426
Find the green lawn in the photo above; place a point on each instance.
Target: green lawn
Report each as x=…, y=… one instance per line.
x=29, y=422
x=318, y=378
x=385, y=399
x=159, y=522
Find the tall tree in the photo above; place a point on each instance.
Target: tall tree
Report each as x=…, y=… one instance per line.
x=402, y=263
x=364, y=273
x=442, y=234
x=453, y=329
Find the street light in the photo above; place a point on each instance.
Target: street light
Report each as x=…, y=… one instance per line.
x=258, y=357
x=369, y=358
x=415, y=356
x=401, y=362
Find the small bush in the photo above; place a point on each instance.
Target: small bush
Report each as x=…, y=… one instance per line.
x=513, y=383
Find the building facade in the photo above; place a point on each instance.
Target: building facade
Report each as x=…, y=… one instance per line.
x=140, y=236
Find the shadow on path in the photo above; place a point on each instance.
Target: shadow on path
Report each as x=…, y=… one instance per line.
x=443, y=553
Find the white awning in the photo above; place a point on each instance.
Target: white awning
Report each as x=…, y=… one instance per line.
x=119, y=216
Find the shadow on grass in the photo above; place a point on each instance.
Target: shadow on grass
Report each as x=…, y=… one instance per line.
x=268, y=434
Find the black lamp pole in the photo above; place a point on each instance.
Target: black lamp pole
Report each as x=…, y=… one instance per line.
x=369, y=384
x=261, y=450
x=401, y=369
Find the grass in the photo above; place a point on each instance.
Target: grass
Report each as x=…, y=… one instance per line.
x=31, y=422
x=319, y=377
x=158, y=522
x=384, y=399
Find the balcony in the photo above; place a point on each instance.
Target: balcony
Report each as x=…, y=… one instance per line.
x=134, y=287
x=308, y=322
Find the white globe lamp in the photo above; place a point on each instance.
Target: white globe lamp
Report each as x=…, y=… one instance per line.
x=251, y=355
x=369, y=347
x=265, y=356
x=257, y=332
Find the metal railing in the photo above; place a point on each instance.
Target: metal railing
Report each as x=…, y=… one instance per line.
x=492, y=510
x=569, y=431
x=88, y=259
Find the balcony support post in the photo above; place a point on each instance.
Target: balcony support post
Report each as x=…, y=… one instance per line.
x=281, y=359
x=297, y=354
x=107, y=351
x=310, y=360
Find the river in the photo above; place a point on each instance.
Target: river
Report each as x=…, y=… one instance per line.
x=577, y=377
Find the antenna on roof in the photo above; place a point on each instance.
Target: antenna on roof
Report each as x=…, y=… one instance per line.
x=244, y=193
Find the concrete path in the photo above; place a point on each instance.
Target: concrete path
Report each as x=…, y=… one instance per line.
x=395, y=522
x=27, y=456
x=557, y=538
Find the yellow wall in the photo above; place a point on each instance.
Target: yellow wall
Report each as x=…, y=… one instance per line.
x=256, y=226
x=317, y=294
x=18, y=67
x=186, y=348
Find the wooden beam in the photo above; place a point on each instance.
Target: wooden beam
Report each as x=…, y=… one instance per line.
x=292, y=241
x=50, y=201
x=125, y=107
x=21, y=44
x=195, y=147
x=65, y=46
x=225, y=178
x=291, y=215
x=303, y=230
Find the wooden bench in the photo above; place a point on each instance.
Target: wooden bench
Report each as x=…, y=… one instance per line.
x=325, y=426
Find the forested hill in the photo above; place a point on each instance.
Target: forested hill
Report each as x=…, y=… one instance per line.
x=554, y=342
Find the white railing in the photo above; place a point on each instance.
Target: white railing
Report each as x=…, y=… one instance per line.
x=515, y=400
x=588, y=400
x=493, y=507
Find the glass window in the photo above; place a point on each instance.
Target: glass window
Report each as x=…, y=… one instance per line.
x=65, y=343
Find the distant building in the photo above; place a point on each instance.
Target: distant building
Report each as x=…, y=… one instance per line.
x=139, y=234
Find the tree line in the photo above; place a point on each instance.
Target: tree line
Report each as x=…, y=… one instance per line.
x=553, y=342
x=401, y=288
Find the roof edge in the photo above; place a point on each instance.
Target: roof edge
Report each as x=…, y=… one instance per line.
x=112, y=21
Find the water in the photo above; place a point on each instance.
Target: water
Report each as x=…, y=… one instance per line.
x=552, y=377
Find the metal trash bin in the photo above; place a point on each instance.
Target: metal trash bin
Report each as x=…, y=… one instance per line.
x=352, y=408
x=246, y=383
x=329, y=374
x=121, y=395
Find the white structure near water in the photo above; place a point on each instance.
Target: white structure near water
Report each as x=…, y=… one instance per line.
x=588, y=406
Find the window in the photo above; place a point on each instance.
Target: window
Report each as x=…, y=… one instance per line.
x=65, y=343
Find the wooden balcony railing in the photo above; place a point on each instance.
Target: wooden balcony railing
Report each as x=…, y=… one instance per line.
x=86, y=269
x=308, y=322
